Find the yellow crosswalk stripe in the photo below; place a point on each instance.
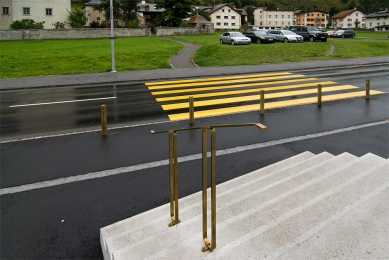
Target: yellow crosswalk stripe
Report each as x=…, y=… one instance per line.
x=156, y=93
x=253, y=97
x=237, y=92
x=216, y=78
x=238, y=109
x=223, y=82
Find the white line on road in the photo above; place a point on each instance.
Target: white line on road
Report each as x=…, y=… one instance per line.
x=107, y=173
x=61, y=102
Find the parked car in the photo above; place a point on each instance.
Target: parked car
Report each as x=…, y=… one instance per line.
x=330, y=33
x=285, y=36
x=344, y=33
x=309, y=33
x=234, y=38
x=259, y=36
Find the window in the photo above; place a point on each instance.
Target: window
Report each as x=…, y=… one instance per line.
x=225, y=17
x=229, y=10
x=218, y=24
x=276, y=16
x=356, y=14
x=49, y=11
x=288, y=15
x=269, y=16
x=233, y=24
x=222, y=10
x=225, y=24
x=282, y=16
x=5, y=10
x=217, y=16
x=26, y=10
x=98, y=18
x=307, y=14
x=233, y=17
x=260, y=17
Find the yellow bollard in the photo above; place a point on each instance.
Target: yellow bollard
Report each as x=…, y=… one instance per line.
x=262, y=109
x=103, y=120
x=319, y=95
x=191, y=110
x=367, y=89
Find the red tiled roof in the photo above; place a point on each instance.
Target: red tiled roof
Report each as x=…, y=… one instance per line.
x=343, y=14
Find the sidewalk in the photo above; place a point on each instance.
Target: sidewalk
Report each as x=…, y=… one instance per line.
x=149, y=75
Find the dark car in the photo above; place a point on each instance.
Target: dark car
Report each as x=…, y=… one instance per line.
x=309, y=33
x=344, y=33
x=259, y=36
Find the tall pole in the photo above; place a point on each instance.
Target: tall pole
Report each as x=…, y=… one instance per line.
x=112, y=37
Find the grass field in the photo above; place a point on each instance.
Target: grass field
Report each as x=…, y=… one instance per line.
x=59, y=57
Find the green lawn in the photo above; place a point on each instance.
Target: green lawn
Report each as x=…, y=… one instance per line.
x=59, y=57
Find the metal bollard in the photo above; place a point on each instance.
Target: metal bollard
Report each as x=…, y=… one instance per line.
x=103, y=120
x=367, y=89
x=319, y=96
x=191, y=110
x=262, y=109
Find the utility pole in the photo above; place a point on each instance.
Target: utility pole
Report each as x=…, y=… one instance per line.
x=112, y=38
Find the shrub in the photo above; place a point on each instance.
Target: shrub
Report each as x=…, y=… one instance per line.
x=26, y=24
x=133, y=24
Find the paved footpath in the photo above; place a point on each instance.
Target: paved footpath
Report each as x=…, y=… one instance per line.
x=147, y=75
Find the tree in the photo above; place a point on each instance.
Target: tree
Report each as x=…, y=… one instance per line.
x=26, y=24
x=124, y=11
x=203, y=13
x=250, y=14
x=175, y=12
x=78, y=17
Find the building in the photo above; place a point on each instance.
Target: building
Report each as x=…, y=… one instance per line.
x=349, y=18
x=94, y=15
x=146, y=13
x=48, y=11
x=272, y=19
x=312, y=18
x=379, y=21
x=225, y=16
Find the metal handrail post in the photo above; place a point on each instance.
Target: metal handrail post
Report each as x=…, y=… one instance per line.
x=209, y=245
x=173, y=178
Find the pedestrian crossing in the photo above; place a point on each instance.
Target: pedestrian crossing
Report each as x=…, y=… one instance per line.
x=234, y=94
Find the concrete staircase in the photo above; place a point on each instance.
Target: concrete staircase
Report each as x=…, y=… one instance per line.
x=308, y=206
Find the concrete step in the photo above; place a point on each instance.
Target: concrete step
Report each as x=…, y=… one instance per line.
x=114, y=236
x=261, y=214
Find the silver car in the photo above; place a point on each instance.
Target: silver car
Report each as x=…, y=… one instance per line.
x=285, y=36
x=234, y=38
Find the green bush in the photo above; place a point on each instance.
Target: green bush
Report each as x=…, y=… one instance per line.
x=26, y=24
x=133, y=24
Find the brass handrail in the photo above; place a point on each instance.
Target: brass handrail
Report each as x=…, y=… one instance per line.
x=173, y=177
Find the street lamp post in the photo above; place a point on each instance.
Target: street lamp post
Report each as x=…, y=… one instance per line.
x=112, y=38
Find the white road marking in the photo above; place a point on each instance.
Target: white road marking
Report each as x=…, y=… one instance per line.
x=107, y=173
x=62, y=102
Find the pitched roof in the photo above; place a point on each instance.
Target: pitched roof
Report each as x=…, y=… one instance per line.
x=219, y=6
x=384, y=13
x=343, y=14
x=198, y=19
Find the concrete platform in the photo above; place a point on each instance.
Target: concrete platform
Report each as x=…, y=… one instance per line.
x=308, y=206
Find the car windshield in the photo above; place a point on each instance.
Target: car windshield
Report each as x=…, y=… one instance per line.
x=259, y=33
x=312, y=28
x=288, y=33
x=236, y=34
x=340, y=31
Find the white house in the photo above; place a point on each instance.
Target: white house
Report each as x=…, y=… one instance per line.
x=349, y=18
x=264, y=18
x=49, y=11
x=225, y=16
x=379, y=21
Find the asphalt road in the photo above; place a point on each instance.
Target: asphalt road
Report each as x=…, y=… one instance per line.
x=57, y=192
